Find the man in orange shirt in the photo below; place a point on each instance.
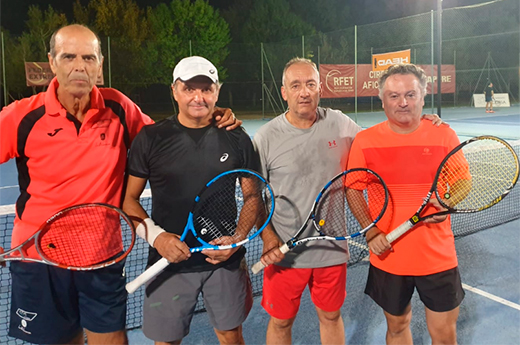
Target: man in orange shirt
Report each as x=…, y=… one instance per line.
x=406, y=151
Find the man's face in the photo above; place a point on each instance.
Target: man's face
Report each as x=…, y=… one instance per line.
x=77, y=63
x=196, y=97
x=301, y=89
x=403, y=101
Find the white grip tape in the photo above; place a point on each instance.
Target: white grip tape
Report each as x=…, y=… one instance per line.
x=399, y=231
x=151, y=272
x=284, y=249
x=256, y=268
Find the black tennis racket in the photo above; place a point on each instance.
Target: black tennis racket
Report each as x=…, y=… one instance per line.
x=231, y=209
x=474, y=176
x=347, y=207
x=81, y=237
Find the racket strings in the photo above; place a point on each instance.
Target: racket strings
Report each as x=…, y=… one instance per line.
x=477, y=176
x=83, y=236
x=351, y=203
x=232, y=208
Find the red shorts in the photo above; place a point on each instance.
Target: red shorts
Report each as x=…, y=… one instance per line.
x=283, y=288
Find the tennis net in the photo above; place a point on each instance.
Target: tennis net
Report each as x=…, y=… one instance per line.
x=463, y=224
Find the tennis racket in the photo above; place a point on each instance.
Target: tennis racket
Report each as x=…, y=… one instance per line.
x=231, y=209
x=351, y=195
x=82, y=237
x=474, y=176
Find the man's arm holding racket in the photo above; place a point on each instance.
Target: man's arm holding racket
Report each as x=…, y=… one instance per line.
x=271, y=253
x=168, y=245
x=376, y=239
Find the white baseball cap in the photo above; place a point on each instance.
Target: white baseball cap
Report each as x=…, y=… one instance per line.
x=194, y=66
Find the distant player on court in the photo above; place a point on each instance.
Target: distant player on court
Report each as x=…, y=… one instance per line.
x=489, y=93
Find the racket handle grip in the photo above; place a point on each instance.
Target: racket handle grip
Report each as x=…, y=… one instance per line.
x=151, y=272
x=399, y=231
x=256, y=268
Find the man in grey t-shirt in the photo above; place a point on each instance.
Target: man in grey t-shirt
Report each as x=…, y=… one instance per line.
x=300, y=151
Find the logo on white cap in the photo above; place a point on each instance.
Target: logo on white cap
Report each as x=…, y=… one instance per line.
x=194, y=66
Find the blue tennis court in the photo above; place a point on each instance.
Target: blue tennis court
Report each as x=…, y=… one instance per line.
x=489, y=263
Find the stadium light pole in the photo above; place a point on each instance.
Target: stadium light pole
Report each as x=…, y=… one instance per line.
x=439, y=55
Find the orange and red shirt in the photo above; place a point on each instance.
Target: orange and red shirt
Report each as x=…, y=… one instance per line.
x=408, y=164
x=62, y=162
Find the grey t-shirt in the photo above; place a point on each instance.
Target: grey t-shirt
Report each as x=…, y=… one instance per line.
x=298, y=163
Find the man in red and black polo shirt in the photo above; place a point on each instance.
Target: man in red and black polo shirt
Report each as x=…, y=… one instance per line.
x=70, y=144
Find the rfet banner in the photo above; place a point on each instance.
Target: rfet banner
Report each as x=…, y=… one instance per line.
x=40, y=74
x=339, y=80
x=381, y=62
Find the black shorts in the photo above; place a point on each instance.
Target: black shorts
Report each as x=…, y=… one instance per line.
x=51, y=305
x=439, y=292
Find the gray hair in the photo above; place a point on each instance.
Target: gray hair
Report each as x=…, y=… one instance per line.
x=404, y=69
x=52, y=43
x=296, y=60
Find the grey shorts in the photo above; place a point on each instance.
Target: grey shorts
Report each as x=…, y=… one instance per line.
x=168, y=310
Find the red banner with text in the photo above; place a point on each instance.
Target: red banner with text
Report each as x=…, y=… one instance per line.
x=338, y=80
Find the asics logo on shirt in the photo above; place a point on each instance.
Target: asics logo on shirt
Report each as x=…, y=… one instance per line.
x=224, y=157
x=55, y=132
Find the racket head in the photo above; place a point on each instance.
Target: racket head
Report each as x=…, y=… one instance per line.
x=86, y=237
x=233, y=208
x=351, y=203
x=476, y=175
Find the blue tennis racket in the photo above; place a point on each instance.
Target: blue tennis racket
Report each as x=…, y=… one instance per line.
x=232, y=209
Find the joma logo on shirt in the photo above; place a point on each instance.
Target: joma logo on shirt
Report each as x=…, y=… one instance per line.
x=55, y=132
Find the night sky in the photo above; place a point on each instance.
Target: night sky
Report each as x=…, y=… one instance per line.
x=14, y=12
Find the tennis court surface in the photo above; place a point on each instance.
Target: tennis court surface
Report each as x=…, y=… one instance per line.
x=487, y=245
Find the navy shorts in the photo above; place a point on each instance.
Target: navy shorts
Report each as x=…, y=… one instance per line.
x=440, y=292
x=51, y=305
x=488, y=99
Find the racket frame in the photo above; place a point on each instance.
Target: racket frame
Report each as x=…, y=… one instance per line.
x=416, y=218
x=6, y=256
x=295, y=241
x=162, y=263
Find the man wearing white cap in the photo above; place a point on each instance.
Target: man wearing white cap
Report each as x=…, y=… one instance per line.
x=178, y=156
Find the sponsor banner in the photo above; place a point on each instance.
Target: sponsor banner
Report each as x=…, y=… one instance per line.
x=381, y=62
x=40, y=74
x=339, y=81
x=500, y=100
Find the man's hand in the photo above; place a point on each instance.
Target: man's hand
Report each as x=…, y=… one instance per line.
x=271, y=253
x=225, y=118
x=376, y=240
x=436, y=219
x=217, y=256
x=171, y=247
x=435, y=119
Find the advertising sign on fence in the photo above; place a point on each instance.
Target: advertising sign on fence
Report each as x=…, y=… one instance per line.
x=339, y=80
x=381, y=62
x=500, y=100
x=40, y=74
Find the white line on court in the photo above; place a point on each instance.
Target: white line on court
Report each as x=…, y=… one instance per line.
x=5, y=187
x=491, y=297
